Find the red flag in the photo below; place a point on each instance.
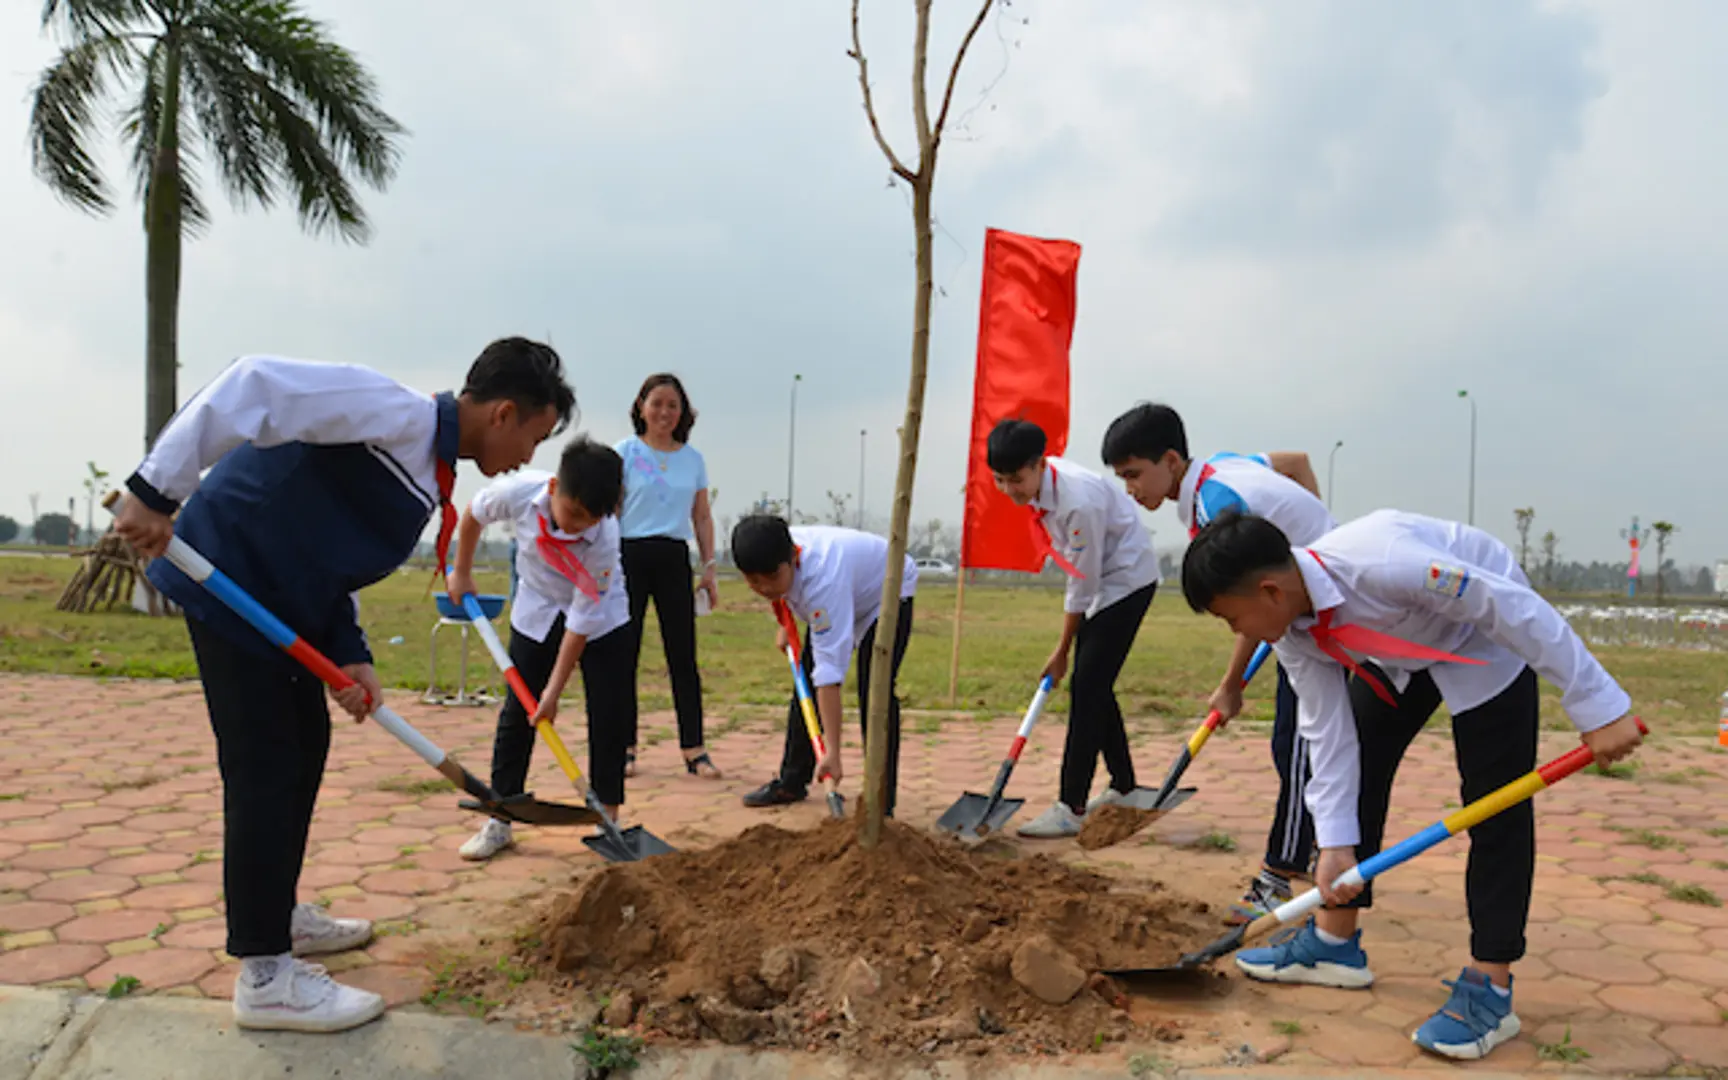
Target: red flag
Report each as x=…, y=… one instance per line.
x=1025, y=324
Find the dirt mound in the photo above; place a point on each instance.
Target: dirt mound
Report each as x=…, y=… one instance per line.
x=1112, y=824
x=805, y=939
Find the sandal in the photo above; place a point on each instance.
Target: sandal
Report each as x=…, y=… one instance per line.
x=630, y=762
x=694, y=766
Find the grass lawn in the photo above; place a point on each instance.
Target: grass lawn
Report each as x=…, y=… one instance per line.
x=1176, y=660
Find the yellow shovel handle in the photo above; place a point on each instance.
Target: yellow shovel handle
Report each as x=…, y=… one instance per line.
x=565, y=761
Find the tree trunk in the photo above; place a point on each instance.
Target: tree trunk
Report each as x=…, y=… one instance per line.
x=162, y=262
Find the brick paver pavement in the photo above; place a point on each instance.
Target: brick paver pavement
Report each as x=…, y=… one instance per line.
x=111, y=837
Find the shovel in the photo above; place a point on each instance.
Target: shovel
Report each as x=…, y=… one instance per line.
x=520, y=808
x=980, y=815
x=613, y=844
x=1167, y=797
x=807, y=705
x=1481, y=810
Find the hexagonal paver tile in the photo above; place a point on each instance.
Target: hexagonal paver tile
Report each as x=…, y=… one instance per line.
x=1701, y=1045
x=168, y=821
x=181, y=894
x=45, y=963
x=60, y=858
x=1609, y=910
x=157, y=969
x=1706, y=969
x=398, y=984
x=1700, y=915
x=1353, y=1040
x=20, y=880
x=1659, y=938
x=1548, y=937
x=34, y=915
x=40, y=832
x=407, y=882
x=1663, y=1004
x=93, y=815
x=83, y=887
x=154, y=862
x=357, y=854
x=198, y=934
x=118, y=925
x=1615, y=1047
x=374, y=906
x=1557, y=997
x=220, y=983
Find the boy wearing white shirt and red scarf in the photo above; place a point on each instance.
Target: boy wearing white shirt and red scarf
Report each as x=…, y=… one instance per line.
x=832, y=579
x=1450, y=617
x=321, y=479
x=571, y=602
x=1093, y=532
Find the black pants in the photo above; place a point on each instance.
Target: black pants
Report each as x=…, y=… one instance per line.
x=1495, y=744
x=609, y=692
x=798, y=761
x=272, y=729
x=659, y=567
x=1290, y=841
x=1094, y=717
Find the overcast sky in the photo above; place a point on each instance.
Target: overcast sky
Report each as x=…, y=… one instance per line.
x=1302, y=222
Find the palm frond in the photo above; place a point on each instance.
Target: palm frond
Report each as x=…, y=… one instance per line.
x=62, y=105
x=76, y=20
x=325, y=200
x=141, y=124
x=220, y=91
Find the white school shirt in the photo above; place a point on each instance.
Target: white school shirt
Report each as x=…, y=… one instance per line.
x=271, y=400
x=837, y=589
x=1096, y=527
x=541, y=591
x=1435, y=583
x=1248, y=484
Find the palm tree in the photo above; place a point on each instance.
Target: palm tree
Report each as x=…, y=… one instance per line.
x=254, y=87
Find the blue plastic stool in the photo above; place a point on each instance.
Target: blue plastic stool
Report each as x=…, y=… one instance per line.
x=450, y=614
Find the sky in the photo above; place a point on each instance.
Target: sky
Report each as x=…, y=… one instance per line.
x=1303, y=223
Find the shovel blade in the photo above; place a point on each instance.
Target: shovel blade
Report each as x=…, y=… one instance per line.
x=528, y=810
x=628, y=845
x=972, y=816
x=1146, y=799
x=1224, y=946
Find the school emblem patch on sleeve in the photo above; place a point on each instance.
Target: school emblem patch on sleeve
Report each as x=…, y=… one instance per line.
x=1446, y=580
x=1076, y=540
x=820, y=623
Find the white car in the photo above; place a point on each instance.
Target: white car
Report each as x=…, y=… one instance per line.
x=934, y=568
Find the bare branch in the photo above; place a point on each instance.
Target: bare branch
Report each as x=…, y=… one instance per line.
x=954, y=72
x=857, y=53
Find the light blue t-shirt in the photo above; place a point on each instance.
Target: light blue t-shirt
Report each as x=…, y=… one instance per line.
x=659, y=489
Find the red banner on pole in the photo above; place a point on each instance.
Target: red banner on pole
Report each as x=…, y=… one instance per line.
x=1025, y=325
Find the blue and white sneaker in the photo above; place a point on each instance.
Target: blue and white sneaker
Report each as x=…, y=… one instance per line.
x=1297, y=955
x=1474, y=1020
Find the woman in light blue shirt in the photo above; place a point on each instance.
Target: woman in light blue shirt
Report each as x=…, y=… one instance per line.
x=665, y=507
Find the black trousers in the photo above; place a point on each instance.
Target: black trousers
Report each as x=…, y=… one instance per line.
x=798, y=761
x=1495, y=744
x=658, y=567
x=1290, y=841
x=609, y=692
x=1095, y=723
x=272, y=727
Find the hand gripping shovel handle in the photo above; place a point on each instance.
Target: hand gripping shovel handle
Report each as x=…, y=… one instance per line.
x=238, y=600
x=1525, y=787
x=807, y=705
x=519, y=686
x=1033, y=711
x=1204, y=732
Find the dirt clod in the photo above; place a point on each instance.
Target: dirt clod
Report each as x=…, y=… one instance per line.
x=1112, y=824
x=620, y=1011
x=801, y=938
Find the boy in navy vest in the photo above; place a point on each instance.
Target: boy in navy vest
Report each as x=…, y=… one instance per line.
x=322, y=478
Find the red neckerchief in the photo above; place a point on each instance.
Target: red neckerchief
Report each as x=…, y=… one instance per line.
x=783, y=612
x=1206, y=472
x=446, y=473
x=557, y=554
x=1041, y=536
x=1333, y=640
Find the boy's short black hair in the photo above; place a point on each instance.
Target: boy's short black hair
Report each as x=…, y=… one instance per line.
x=761, y=544
x=525, y=372
x=686, y=414
x=1147, y=431
x=1232, y=548
x=593, y=474
x=1013, y=445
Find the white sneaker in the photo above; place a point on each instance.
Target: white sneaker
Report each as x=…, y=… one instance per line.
x=303, y=997
x=313, y=931
x=1053, y=824
x=493, y=837
x=1108, y=797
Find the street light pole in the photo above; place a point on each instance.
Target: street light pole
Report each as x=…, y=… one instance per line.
x=863, y=433
x=1465, y=394
x=1331, y=466
x=791, y=444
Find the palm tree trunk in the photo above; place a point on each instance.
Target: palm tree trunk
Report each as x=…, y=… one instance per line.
x=162, y=262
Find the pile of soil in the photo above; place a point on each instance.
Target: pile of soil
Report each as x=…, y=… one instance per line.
x=1112, y=824
x=804, y=939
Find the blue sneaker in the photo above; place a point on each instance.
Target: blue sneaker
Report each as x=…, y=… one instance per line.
x=1297, y=955
x=1474, y=1020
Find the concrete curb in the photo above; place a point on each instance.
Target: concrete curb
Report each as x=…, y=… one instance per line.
x=63, y=1035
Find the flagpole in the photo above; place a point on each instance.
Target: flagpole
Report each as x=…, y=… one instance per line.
x=954, y=657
